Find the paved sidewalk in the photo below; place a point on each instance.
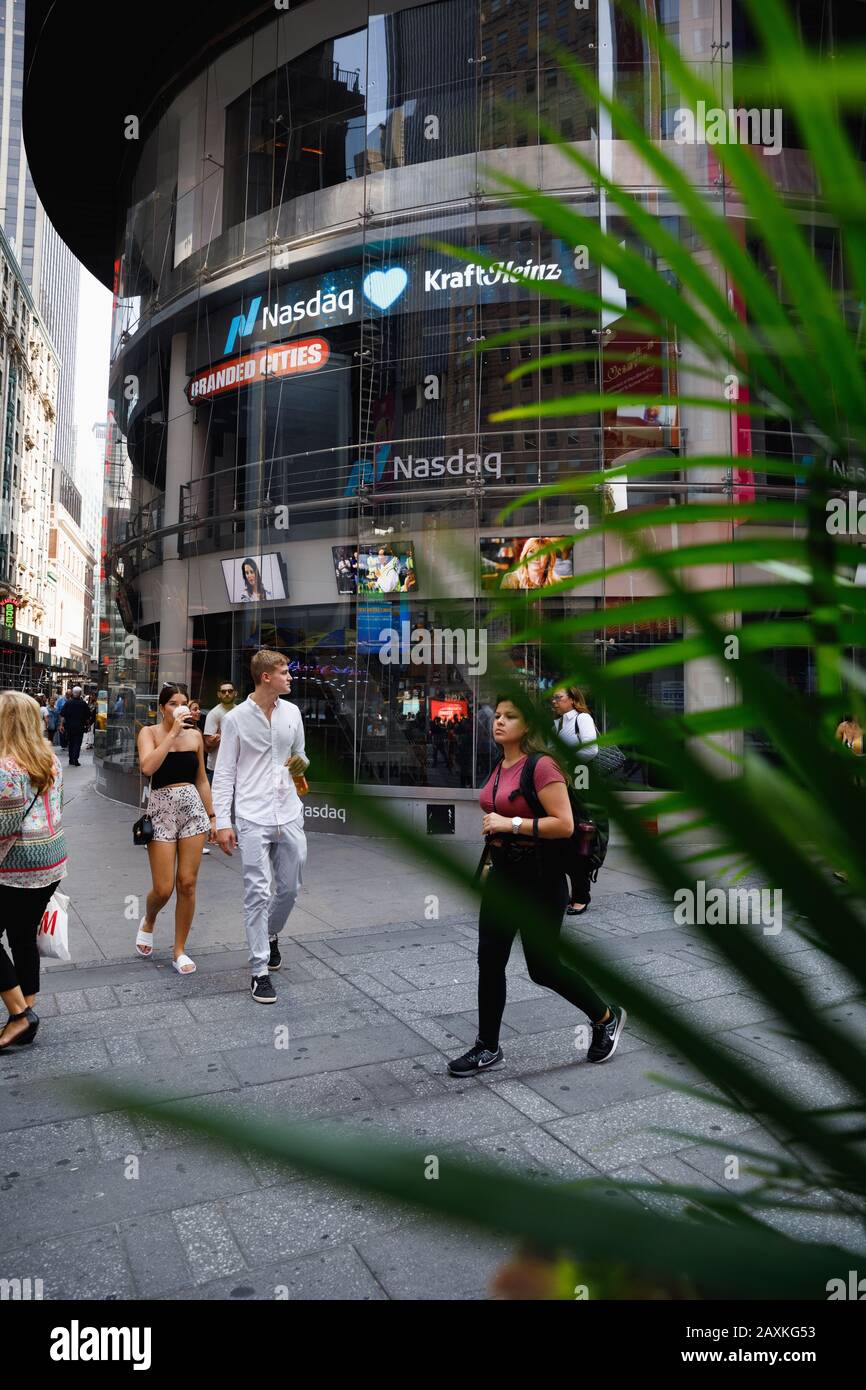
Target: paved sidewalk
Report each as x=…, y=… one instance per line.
x=376, y=998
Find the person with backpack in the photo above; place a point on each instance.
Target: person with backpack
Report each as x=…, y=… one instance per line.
x=575, y=727
x=525, y=823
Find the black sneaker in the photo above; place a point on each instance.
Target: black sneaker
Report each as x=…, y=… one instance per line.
x=276, y=959
x=605, y=1036
x=478, y=1058
x=262, y=990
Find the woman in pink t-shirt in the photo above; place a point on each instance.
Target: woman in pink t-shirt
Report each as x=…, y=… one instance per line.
x=524, y=869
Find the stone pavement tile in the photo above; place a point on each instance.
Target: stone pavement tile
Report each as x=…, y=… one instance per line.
x=338, y=1276
x=438, y=1120
x=155, y=1255
x=459, y=971
x=91, y=1265
x=410, y=934
x=77, y=1201
x=727, y=1011
x=156, y=1045
x=674, y=1168
x=714, y=1163
x=72, y=1001
x=533, y=1152
x=42, y=1148
x=701, y=984
x=584, y=1087
x=47, y=1099
x=122, y=1018
x=663, y=1203
x=525, y=1099
x=271, y=1027
x=302, y=1099
x=457, y=999
x=406, y=1079
x=774, y=1039
x=432, y=1260
x=123, y=1050
x=210, y=1248
x=49, y=1058
x=463, y=1028
x=426, y=1028
x=327, y=1052
x=544, y=1014
x=417, y=958
x=382, y=982
x=101, y=997
x=305, y=1218
x=628, y=1133
x=828, y=1227
x=116, y=1135
x=238, y=1004
x=808, y=1084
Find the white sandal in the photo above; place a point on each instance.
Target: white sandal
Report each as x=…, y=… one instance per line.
x=183, y=960
x=142, y=939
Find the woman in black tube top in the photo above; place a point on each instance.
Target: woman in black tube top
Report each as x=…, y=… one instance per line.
x=171, y=754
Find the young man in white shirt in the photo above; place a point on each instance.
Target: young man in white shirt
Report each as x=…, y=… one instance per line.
x=261, y=749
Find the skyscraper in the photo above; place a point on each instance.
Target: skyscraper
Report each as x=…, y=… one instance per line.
x=48, y=266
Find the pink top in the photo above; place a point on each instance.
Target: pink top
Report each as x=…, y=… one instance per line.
x=546, y=771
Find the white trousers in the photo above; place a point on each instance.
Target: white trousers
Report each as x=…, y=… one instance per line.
x=273, y=857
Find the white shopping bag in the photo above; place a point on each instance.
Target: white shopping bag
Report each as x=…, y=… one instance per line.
x=52, y=936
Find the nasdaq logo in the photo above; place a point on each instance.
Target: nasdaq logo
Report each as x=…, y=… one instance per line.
x=242, y=325
x=384, y=287
x=366, y=471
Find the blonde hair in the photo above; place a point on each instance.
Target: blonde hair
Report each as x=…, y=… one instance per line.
x=265, y=660
x=22, y=738
x=529, y=548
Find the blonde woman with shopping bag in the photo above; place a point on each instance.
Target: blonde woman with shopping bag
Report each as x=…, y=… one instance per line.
x=32, y=856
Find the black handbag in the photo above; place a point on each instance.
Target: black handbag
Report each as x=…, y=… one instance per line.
x=142, y=831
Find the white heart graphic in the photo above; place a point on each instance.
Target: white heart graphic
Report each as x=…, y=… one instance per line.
x=383, y=287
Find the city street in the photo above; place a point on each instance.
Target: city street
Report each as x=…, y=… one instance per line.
x=376, y=998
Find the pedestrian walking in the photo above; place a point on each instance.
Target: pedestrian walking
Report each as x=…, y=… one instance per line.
x=181, y=812
x=73, y=722
x=261, y=751
x=227, y=696
x=575, y=727
x=32, y=856
x=527, y=870
x=93, y=710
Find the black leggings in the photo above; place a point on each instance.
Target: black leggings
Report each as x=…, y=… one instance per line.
x=548, y=893
x=21, y=912
x=579, y=871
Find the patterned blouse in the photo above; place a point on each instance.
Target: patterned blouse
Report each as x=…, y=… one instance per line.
x=37, y=856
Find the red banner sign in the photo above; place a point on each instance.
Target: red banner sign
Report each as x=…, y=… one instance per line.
x=269, y=364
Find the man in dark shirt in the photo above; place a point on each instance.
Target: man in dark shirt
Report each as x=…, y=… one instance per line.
x=75, y=718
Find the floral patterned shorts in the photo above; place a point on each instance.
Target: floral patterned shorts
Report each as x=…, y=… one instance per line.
x=176, y=813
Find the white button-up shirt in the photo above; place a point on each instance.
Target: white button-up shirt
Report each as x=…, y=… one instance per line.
x=254, y=751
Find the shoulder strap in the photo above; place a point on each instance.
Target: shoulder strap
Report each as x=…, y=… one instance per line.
x=526, y=786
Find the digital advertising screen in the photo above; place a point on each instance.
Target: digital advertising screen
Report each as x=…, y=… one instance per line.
x=255, y=578
x=386, y=569
x=500, y=553
x=345, y=568
x=449, y=709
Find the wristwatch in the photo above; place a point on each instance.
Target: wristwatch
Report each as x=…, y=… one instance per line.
x=516, y=822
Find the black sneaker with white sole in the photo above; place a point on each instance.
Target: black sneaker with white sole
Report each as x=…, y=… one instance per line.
x=605, y=1036
x=262, y=990
x=276, y=959
x=478, y=1058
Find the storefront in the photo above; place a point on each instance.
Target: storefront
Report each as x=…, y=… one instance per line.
x=317, y=315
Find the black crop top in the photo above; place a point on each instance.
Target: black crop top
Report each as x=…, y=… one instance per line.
x=176, y=767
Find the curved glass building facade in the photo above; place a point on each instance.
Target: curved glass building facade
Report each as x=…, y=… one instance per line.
x=299, y=450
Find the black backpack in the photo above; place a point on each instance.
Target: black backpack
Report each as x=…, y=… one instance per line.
x=573, y=848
